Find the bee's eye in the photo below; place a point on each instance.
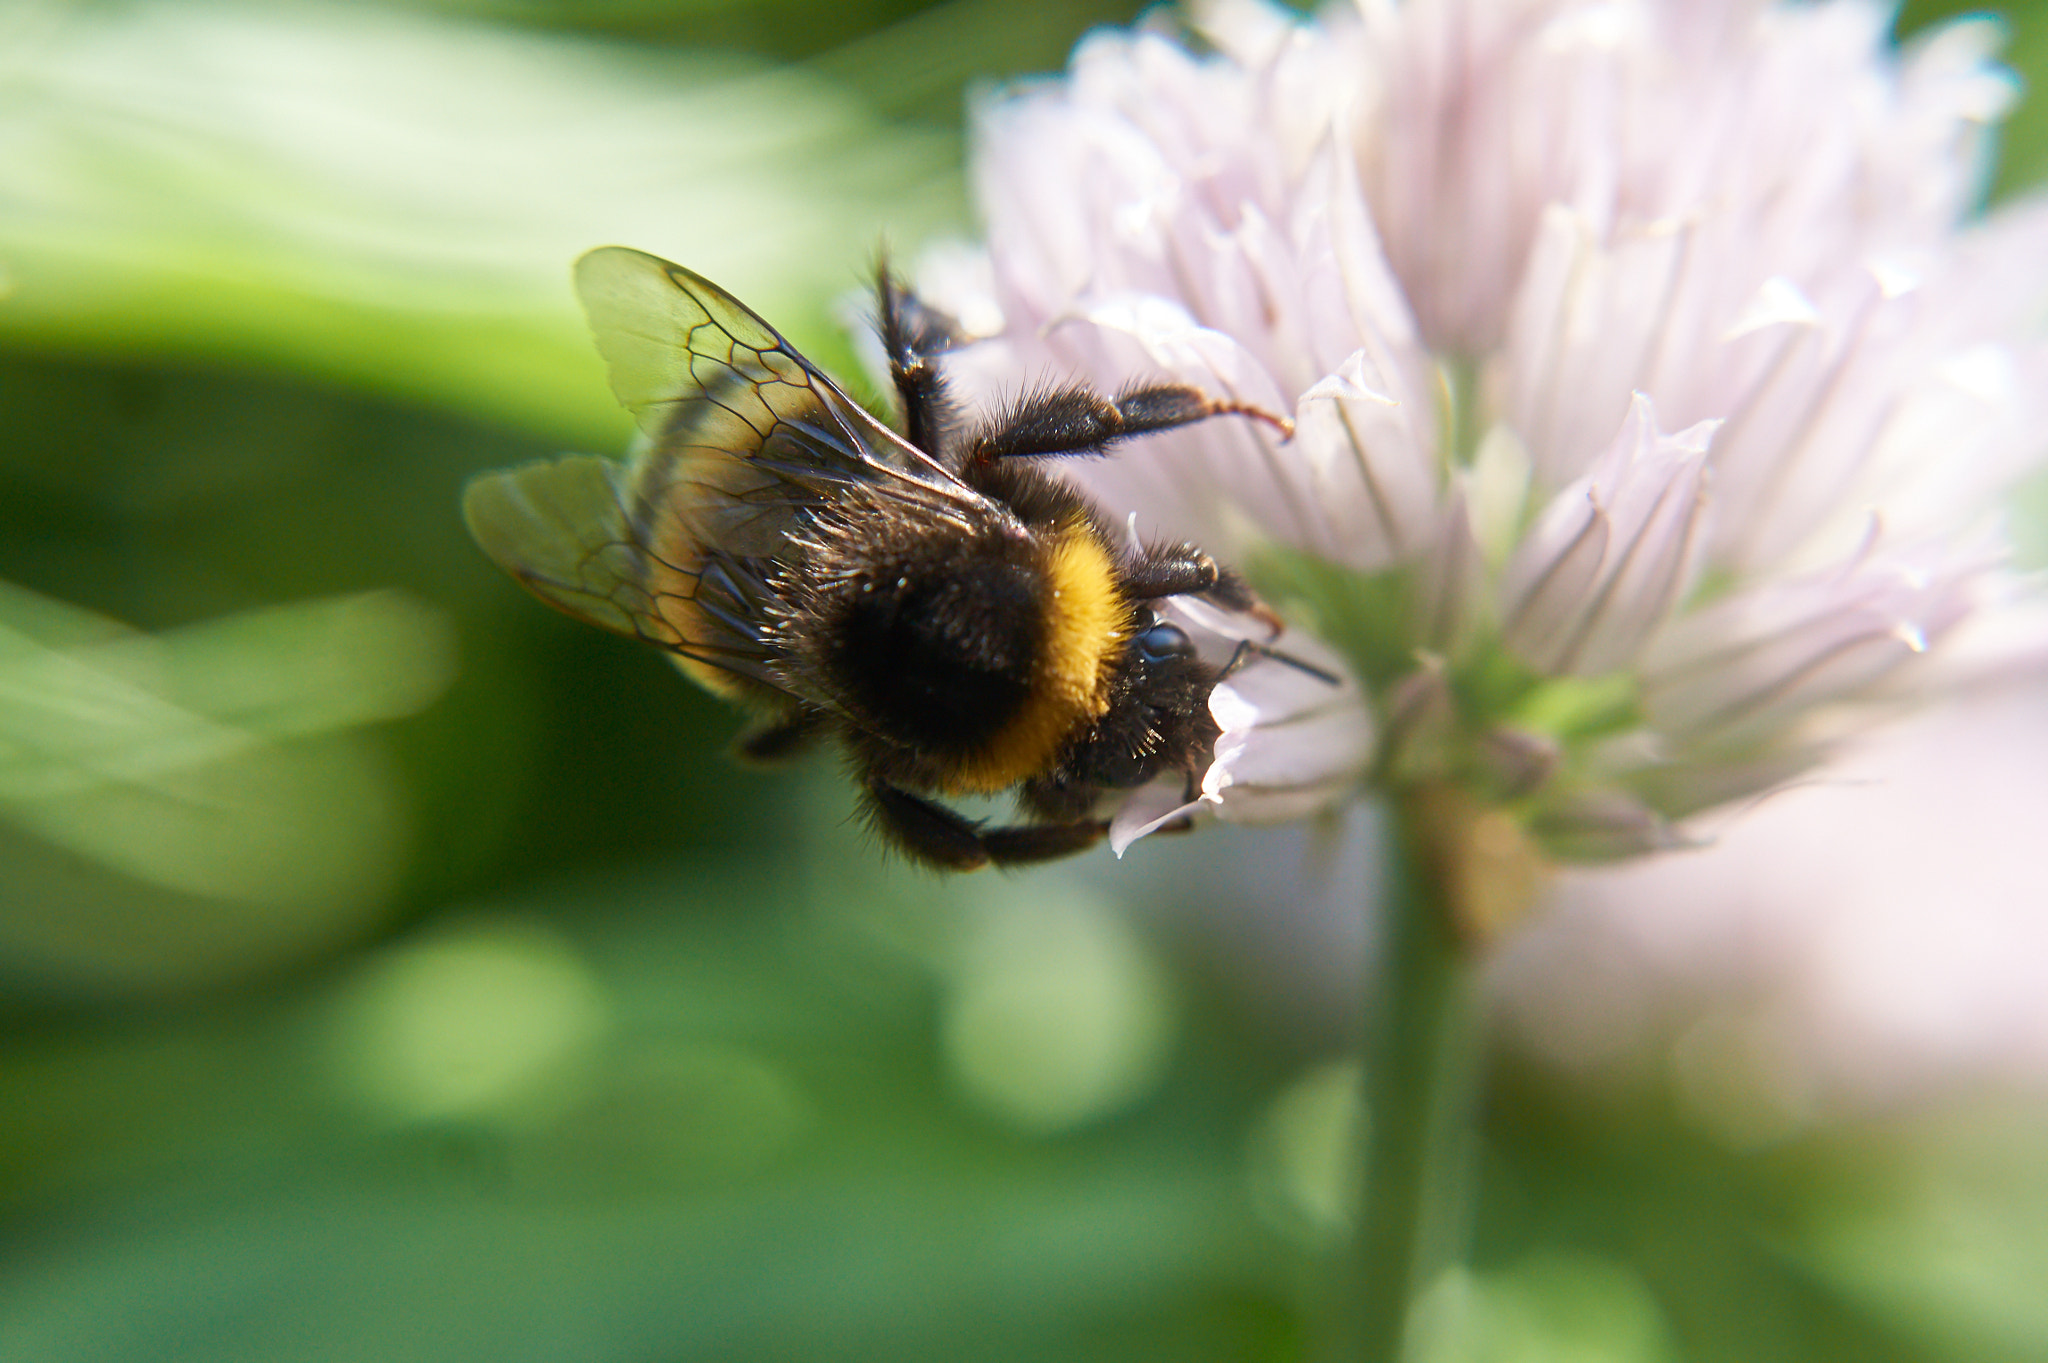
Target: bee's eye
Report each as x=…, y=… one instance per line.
x=1163, y=641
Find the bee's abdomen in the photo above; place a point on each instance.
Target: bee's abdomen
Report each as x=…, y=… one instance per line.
x=966, y=657
x=940, y=655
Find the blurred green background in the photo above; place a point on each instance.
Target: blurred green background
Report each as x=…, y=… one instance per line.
x=396, y=970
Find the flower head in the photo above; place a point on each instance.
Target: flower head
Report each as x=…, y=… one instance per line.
x=1652, y=377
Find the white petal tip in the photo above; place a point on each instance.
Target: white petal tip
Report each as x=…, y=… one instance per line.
x=1349, y=382
x=1122, y=832
x=1779, y=302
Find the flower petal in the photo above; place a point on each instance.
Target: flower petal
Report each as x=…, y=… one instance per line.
x=1755, y=661
x=1292, y=740
x=1606, y=562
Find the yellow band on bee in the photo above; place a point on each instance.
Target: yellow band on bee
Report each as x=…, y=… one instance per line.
x=1086, y=623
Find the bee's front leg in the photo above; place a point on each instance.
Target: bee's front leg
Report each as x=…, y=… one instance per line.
x=1183, y=570
x=1077, y=420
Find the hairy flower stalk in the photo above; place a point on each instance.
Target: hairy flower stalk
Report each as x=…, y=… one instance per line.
x=1654, y=379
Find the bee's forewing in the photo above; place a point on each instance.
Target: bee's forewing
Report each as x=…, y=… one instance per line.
x=670, y=337
x=703, y=375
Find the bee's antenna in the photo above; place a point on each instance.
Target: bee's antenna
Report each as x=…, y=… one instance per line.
x=1247, y=650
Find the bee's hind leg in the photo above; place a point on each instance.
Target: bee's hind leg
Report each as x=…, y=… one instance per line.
x=935, y=835
x=780, y=738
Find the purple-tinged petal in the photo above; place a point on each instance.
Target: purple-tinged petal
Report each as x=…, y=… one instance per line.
x=1606, y=562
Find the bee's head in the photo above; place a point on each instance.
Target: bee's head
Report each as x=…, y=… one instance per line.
x=1158, y=719
x=1164, y=673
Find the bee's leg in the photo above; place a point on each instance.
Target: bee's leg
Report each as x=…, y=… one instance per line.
x=913, y=338
x=780, y=738
x=1172, y=570
x=1184, y=570
x=1022, y=844
x=928, y=832
x=1082, y=421
x=933, y=834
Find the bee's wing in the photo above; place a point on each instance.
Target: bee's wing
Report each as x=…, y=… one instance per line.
x=702, y=373
x=744, y=440
x=565, y=530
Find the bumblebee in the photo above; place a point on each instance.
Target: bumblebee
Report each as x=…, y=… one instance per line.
x=961, y=620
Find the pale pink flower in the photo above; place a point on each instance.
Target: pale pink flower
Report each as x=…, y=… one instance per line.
x=1654, y=377
x=1873, y=938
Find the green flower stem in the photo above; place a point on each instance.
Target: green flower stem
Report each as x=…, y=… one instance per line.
x=1423, y=1070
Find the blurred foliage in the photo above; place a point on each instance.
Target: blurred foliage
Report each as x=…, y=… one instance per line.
x=2023, y=138
x=396, y=971
x=182, y=802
